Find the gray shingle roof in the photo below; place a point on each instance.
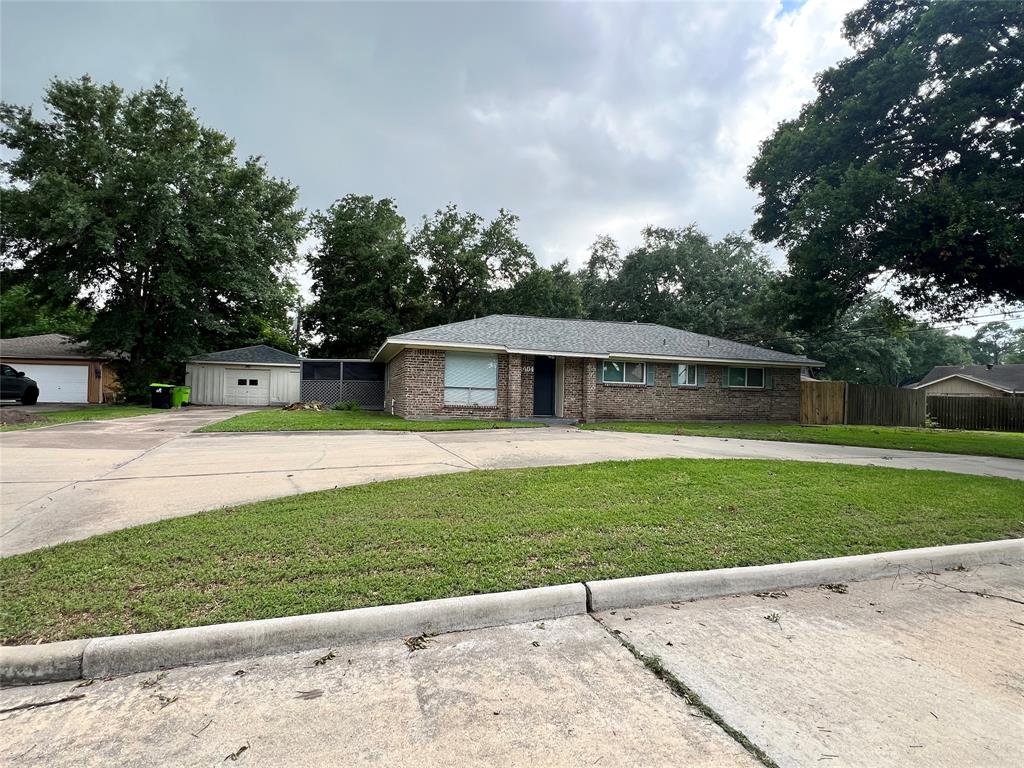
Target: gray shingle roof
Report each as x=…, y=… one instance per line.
x=1009, y=377
x=591, y=337
x=46, y=345
x=259, y=354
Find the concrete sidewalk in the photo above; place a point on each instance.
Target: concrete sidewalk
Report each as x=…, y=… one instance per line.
x=914, y=671
x=74, y=481
x=918, y=670
x=559, y=693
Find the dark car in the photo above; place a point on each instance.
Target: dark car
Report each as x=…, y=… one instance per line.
x=15, y=385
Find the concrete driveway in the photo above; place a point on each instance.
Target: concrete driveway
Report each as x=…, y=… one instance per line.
x=916, y=671
x=73, y=481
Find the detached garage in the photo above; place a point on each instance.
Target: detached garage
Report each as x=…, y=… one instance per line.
x=258, y=375
x=65, y=370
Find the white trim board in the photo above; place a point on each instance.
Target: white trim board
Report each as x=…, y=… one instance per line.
x=625, y=356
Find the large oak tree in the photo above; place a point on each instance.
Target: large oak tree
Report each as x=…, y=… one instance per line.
x=366, y=283
x=909, y=164
x=127, y=204
x=684, y=279
x=468, y=259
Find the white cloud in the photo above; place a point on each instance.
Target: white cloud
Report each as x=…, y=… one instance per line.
x=660, y=127
x=581, y=118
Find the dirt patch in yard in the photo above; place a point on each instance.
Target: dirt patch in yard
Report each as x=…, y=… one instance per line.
x=10, y=416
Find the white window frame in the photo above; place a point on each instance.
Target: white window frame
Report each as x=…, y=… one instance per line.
x=492, y=401
x=624, y=363
x=691, y=369
x=746, y=377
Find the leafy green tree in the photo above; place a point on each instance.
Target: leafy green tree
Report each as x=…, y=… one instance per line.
x=907, y=165
x=24, y=313
x=875, y=343
x=544, y=292
x=273, y=323
x=128, y=204
x=603, y=264
x=468, y=259
x=997, y=343
x=681, y=278
x=929, y=347
x=366, y=283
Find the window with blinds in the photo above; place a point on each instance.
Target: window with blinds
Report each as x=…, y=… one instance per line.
x=470, y=379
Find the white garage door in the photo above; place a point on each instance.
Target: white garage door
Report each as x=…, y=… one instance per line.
x=59, y=383
x=246, y=386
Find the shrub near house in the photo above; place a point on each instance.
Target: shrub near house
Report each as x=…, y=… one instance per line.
x=508, y=367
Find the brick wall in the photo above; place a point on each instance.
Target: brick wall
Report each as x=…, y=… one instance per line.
x=396, y=384
x=514, y=372
x=417, y=385
x=526, y=386
x=572, y=389
x=663, y=402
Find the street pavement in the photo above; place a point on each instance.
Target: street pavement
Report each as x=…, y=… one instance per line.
x=920, y=670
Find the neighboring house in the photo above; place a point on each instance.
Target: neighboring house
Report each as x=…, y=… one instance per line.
x=65, y=370
x=508, y=367
x=258, y=375
x=974, y=380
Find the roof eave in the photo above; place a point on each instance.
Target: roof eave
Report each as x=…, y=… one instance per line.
x=965, y=377
x=243, y=362
x=33, y=356
x=715, y=360
x=392, y=347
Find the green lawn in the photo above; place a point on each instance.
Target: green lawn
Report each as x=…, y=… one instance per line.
x=91, y=413
x=487, y=531
x=1008, y=444
x=288, y=421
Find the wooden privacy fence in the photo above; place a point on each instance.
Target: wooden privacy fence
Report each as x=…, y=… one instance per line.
x=1005, y=414
x=822, y=402
x=884, y=406
x=839, y=402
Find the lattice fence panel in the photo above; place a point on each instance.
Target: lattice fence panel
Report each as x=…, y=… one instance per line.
x=327, y=392
x=369, y=394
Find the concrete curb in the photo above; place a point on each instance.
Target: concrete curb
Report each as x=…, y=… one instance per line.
x=44, y=663
x=696, y=585
x=127, y=654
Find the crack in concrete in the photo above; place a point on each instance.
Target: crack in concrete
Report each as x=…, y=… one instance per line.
x=944, y=585
x=71, y=483
x=687, y=694
x=447, y=450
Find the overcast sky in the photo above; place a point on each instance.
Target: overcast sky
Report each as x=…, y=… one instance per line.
x=581, y=118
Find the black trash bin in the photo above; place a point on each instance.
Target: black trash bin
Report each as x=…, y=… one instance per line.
x=161, y=395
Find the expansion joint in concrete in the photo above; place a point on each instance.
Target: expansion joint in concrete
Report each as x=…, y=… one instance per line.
x=687, y=694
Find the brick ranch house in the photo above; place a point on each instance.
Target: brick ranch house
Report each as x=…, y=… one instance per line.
x=512, y=367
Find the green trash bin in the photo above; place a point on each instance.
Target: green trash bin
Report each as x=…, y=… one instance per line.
x=180, y=396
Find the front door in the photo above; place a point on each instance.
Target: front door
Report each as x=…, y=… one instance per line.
x=544, y=386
